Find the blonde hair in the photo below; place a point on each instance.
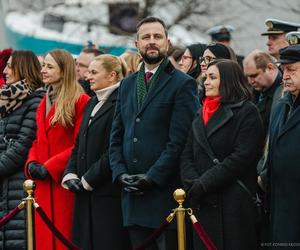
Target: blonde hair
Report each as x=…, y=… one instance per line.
x=67, y=91
x=112, y=63
x=132, y=60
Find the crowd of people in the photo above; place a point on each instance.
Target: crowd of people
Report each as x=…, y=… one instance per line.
x=108, y=139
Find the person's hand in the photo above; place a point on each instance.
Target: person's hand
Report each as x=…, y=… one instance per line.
x=142, y=182
x=125, y=179
x=74, y=185
x=37, y=171
x=195, y=190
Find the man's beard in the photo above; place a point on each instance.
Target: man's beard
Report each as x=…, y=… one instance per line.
x=153, y=59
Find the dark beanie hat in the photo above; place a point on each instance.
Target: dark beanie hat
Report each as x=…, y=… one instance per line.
x=219, y=50
x=197, y=50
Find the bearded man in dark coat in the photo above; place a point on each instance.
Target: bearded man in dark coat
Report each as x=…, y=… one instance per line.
x=151, y=124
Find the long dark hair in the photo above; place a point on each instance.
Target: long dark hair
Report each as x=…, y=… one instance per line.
x=25, y=65
x=234, y=86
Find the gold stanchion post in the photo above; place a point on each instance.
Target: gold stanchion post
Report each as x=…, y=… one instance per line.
x=29, y=187
x=179, y=196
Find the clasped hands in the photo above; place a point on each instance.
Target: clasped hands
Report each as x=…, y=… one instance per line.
x=136, y=184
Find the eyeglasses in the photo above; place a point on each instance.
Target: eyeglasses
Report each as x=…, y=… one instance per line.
x=184, y=57
x=206, y=59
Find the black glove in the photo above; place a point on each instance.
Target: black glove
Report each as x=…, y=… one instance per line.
x=125, y=179
x=74, y=185
x=195, y=190
x=142, y=182
x=37, y=171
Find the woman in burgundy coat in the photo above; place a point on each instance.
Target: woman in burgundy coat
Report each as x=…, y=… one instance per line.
x=58, y=120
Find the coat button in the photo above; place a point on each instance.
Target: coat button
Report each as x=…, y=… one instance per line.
x=137, y=119
x=82, y=156
x=135, y=139
x=134, y=160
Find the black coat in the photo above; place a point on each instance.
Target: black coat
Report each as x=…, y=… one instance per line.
x=268, y=97
x=284, y=169
x=97, y=214
x=226, y=211
x=150, y=141
x=19, y=129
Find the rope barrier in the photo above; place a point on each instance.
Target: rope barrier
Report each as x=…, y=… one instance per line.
x=179, y=196
x=12, y=214
x=54, y=230
x=156, y=233
x=201, y=232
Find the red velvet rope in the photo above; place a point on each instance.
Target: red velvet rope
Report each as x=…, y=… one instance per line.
x=10, y=215
x=153, y=236
x=204, y=237
x=55, y=231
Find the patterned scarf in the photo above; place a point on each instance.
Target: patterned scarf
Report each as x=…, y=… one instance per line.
x=12, y=97
x=142, y=90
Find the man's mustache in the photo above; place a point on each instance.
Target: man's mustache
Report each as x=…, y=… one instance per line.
x=289, y=82
x=152, y=48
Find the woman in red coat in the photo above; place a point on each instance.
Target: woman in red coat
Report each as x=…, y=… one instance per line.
x=58, y=120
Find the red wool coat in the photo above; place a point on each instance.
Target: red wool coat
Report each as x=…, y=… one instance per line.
x=52, y=148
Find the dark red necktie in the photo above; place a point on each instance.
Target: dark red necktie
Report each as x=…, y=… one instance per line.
x=148, y=75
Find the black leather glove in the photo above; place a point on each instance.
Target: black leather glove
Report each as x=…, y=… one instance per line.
x=74, y=185
x=37, y=171
x=125, y=179
x=195, y=190
x=142, y=182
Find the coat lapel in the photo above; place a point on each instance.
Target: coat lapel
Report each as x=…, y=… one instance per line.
x=106, y=106
x=134, y=94
x=162, y=81
x=49, y=116
x=221, y=117
x=200, y=132
x=88, y=111
x=291, y=122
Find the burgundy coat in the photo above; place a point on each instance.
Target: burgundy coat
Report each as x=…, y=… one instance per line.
x=52, y=148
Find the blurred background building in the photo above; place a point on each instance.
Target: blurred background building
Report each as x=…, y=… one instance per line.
x=110, y=23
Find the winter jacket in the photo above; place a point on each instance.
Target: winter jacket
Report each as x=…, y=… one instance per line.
x=17, y=131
